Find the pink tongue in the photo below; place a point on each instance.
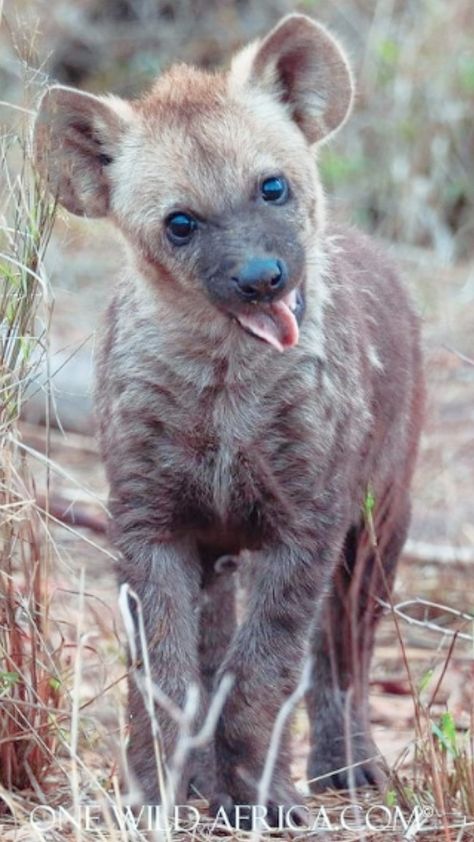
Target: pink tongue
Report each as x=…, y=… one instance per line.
x=275, y=324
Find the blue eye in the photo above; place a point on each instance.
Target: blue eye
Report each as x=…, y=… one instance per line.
x=275, y=189
x=180, y=227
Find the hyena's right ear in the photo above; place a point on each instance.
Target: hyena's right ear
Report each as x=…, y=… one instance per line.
x=76, y=138
x=300, y=64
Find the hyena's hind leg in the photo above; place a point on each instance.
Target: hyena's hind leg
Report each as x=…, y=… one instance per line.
x=342, y=649
x=217, y=623
x=217, y=612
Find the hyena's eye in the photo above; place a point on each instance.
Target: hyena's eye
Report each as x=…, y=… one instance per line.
x=275, y=189
x=180, y=227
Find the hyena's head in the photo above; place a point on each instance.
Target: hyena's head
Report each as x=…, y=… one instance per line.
x=211, y=177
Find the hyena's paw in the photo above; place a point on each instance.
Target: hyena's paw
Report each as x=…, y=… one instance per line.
x=283, y=808
x=202, y=783
x=327, y=764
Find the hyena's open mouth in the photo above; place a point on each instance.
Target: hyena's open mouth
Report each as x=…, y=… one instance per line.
x=278, y=322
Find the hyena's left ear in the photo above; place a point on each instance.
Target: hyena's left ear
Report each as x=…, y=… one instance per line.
x=303, y=66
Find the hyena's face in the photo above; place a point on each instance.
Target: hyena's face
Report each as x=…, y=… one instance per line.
x=211, y=177
x=222, y=199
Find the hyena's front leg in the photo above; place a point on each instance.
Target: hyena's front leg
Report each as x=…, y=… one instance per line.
x=165, y=577
x=265, y=659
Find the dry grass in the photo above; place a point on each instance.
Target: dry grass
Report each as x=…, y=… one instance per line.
x=402, y=166
x=40, y=723
x=30, y=686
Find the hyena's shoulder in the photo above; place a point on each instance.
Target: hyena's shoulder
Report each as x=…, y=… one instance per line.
x=369, y=292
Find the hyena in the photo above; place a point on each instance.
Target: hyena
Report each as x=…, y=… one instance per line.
x=259, y=381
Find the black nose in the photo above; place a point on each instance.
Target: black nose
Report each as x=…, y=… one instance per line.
x=261, y=278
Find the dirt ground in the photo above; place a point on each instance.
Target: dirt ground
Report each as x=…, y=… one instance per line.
x=438, y=563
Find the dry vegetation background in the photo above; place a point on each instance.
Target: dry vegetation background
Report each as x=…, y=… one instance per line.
x=403, y=169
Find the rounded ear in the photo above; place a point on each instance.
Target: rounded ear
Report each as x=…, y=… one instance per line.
x=302, y=65
x=75, y=139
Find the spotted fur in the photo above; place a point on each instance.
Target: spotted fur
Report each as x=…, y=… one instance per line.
x=215, y=443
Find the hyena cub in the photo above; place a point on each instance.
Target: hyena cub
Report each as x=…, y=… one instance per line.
x=258, y=377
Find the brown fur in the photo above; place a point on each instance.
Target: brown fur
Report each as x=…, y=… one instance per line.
x=214, y=442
